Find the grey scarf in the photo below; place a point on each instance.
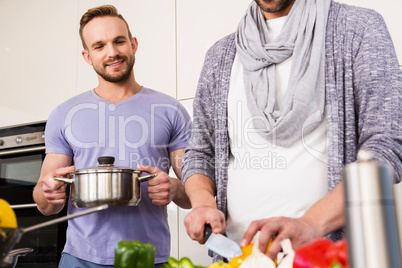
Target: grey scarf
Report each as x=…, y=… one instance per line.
x=303, y=36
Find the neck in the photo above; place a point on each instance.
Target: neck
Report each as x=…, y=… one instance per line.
x=116, y=92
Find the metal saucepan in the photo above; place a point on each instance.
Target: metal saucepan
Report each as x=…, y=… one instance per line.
x=105, y=184
x=10, y=260
x=10, y=237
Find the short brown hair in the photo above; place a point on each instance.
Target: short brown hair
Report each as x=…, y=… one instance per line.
x=101, y=11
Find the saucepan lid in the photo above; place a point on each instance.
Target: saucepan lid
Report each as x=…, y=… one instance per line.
x=106, y=165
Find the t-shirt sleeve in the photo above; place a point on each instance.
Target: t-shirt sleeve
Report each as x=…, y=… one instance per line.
x=181, y=129
x=55, y=141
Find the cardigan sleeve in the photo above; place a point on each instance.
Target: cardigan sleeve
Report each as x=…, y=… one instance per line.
x=199, y=156
x=378, y=92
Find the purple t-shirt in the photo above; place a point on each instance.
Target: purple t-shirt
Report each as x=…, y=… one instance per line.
x=142, y=130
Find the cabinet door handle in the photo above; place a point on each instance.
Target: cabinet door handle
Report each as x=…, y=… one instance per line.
x=22, y=206
x=23, y=150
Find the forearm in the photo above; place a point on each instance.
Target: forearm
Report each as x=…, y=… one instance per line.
x=180, y=198
x=200, y=189
x=327, y=215
x=179, y=195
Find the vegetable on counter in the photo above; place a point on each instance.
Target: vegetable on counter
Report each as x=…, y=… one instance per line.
x=247, y=251
x=8, y=220
x=130, y=254
x=237, y=261
x=182, y=263
x=338, y=253
x=322, y=253
x=220, y=264
x=7, y=215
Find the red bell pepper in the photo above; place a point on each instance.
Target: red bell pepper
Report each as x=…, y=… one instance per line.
x=312, y=255
x=322, y=253
x=338, y=251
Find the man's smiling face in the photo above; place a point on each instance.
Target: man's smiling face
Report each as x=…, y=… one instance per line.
x=110, y=50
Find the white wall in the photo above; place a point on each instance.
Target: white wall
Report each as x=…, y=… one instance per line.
x=41, y=62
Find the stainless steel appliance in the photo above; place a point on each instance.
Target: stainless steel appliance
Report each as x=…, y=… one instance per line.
x=22, y=150
x=371, y=226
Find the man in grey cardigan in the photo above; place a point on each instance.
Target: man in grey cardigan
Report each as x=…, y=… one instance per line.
x=281, y=106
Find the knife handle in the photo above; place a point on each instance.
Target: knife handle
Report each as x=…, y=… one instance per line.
x=207, y=231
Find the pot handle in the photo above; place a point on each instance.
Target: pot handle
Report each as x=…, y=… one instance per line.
x=147, y=177
x=66, y=180
x=64, y=218
x=20, y=252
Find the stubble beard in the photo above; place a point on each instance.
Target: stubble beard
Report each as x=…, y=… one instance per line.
x=117, y=78
x=272, y=6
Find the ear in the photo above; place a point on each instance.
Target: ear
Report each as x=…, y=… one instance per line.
x=87, y=58
x=134, y=44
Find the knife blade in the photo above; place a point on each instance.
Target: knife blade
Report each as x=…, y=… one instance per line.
x=220, y=244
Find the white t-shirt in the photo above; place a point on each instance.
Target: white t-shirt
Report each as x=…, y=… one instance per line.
x=266, y=180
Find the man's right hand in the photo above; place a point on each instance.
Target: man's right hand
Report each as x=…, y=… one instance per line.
x=49, y=194
x=198, y=217
x=55, y=191
x=200, y=189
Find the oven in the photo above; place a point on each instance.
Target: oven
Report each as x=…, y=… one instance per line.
x=22, y=150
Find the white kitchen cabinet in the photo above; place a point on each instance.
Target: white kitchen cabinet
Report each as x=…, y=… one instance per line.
x=173, y=220
x=188, y=105
x=37, y=55
x=199, y=25
x=153, y=24
x=41, y=53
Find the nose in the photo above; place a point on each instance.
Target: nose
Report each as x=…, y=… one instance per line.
x=112, y=51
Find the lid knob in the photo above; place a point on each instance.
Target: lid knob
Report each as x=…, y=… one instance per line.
x=106, y=160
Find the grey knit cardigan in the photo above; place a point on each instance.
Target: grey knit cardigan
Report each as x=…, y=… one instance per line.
x=363, y=99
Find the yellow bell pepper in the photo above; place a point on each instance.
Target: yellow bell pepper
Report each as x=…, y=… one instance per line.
x=7, y=215
x=247, y=250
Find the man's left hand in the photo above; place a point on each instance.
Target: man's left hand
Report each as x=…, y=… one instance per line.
x=160, y=189
x=298, y=230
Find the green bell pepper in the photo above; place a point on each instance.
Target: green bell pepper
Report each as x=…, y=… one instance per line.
x=182, y=263
x=134, y=254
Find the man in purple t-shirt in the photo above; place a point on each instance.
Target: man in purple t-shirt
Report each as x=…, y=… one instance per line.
x=141, y=128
